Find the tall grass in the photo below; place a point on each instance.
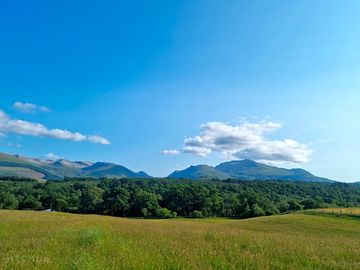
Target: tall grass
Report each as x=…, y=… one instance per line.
x=350, y=212
x=38, y=240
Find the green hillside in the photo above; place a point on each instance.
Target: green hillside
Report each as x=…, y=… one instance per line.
x=199, y=172
x=246, y=170
x=14, y=165
x=250, y=170
x=102, y=169
x=15, y=162
x=39, y=240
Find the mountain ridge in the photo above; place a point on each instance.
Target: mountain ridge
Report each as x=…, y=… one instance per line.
x=247, y=170
x=21, y=166
x=47, y=169
x=198, y=172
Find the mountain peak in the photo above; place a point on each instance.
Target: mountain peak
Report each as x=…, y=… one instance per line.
x=244, y=162
x=56, y=170
x=246, y=169
x=199, y=172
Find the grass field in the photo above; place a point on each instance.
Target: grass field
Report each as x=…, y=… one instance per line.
x=339, y=211
x=38, y=240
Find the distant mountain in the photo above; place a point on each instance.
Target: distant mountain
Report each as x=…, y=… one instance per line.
x=64, y=167
x=102, y=169
x=22, y=167
x=246, y=170
x=199, y=172
x=251, y=170
x=15, y=165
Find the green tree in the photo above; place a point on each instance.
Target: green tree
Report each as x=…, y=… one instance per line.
x=312, y=203
x=144, y=204
x=294, y=205
x=257, y=211
x=116, y=201
x=30, y=202
x=8, y=201
x=91, y=199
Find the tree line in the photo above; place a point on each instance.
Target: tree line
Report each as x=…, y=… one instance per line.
x=168, y=198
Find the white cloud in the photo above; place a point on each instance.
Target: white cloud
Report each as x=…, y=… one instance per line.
x=52, y=156
x=14, y=145
x=98, y=139
x=170, y=152
x=9, y=125
x=246, y=141
x=29, y=107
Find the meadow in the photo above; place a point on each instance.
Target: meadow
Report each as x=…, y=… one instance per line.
x=338, y=211
x=40, y=240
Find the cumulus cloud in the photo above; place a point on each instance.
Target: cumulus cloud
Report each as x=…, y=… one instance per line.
x=170, y=152
x=29, y=107
x=246, y=141
x=9, y=125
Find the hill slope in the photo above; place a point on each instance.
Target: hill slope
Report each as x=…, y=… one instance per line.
x=102, y=169
x=250, y=170
x=199, y=172
x=15, y=165
x=246, y=170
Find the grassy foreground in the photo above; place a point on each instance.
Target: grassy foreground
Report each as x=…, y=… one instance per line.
x=38, y=240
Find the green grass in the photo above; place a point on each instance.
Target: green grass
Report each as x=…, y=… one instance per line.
x=340, y=211
x=38, y=240
x=20, y=172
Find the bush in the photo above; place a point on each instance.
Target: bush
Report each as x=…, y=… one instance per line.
x=165, y=213
x=257, y=211
x=196, y=214
x=284, y=207
x=312, y=203
x=294, y=206
x=271, y=210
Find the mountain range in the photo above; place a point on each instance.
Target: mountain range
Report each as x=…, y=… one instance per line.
x=16, y=165
x=21, y=166
x=246, y=170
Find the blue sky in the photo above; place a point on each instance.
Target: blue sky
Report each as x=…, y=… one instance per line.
x=146, y=76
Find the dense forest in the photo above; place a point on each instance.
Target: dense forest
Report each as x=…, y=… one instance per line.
x=165, y=198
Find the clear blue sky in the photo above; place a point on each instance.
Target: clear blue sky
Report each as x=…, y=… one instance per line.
x=145, y=75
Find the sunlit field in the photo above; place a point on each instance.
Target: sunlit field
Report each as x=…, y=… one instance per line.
x=39, y=240
x=339, y=211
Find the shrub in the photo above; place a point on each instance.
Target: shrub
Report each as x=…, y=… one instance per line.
x=257, y=211
x=165, y=213
x=196, y=214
